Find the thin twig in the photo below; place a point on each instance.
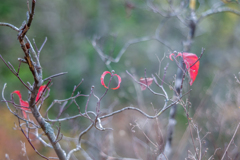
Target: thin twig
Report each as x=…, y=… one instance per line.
x=159, y=94
x=55, y=75
x=108, y=59
x=75, y=87
x=29, y=141
x=230, y=141
x=84, y=132
x=142, y=112
x=9, y=25
x=203, y=49
x=42, y=47
x=217, y=10
x=14, y=72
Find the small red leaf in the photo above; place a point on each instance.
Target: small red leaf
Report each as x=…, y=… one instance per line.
x=40, y=91
x=189, y=59
x=148, y=82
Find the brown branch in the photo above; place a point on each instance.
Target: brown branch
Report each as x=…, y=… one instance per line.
x=26, y=27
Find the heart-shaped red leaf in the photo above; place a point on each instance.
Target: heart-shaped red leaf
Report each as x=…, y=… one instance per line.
x=147, y=81
x=103, y=76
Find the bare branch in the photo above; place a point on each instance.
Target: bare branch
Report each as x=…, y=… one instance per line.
x=217, y=10
x=142, y=112
x=42, y=47
x=9, y=25
x=60, y=101
x=14, y=72
x=108, y=59
x=75, y=87
x=69, y=118
x=29, y=22
x=159, y=94
x=84, y=132
x=29, y=141
x=71, y=152
x=55, y=75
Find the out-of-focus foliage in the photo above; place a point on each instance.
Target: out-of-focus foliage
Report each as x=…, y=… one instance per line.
x=70, y=27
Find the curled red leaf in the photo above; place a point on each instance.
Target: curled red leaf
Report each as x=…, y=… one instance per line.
x=102, y=77
x=119, y=81
x=107, y=72
x=22, y=103
x=192, y=64
x=25, y=104
x=148, y=82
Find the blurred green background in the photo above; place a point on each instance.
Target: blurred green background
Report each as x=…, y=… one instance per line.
x=70, y=27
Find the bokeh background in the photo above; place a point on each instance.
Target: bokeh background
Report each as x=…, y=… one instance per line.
x=70, y=27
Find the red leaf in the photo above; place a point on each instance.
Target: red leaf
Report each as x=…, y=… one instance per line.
x=189, y=59
x=119, y=81
x=22, y=103
x=148, y=82
x=102, y=78
x=107, y=72
x=25, y=103
x=40, y=91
